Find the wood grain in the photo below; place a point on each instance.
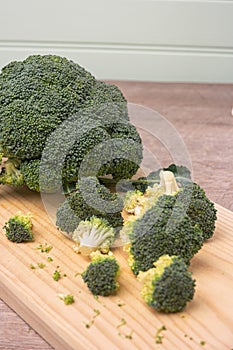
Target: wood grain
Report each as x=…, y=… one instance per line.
x=33, y=293
x=202, y=115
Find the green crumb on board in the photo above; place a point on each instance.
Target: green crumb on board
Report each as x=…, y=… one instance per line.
x=41, y=265
x=68, y=299
x=56, y=275
x=91, y=322
x=158, y=336
x=44, y=248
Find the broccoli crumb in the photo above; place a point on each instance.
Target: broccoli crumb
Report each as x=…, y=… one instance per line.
x=90, y=323
x=68, y=299
x=202, y=342
x=122, y=323
x=129, y=335
x=41, y=265
x=32, y=267
x=57, y=275
x=44, y=248
x=120, y=304
x=49, y=259
x=158, y=336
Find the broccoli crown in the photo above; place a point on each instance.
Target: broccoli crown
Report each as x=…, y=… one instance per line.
x=45, y=98
x=101, y=274
x=168, y=286
x=199, y=208
x=165, y=228
x=90, y=199
x=92, y=234
x=19, y=228
x=37, y=94
x=10, y=173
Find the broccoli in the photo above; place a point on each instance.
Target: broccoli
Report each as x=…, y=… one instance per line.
x=101, y=274
x=199, y=208
x=182, y=175
x=90, y=199
x=46, y=98
x=93, y=234
x=19, y=228
x=165, y=228
x=168, y=286
x=67, y=298
x=10, y=173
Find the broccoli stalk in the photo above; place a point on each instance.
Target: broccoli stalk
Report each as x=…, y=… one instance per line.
x=93, y=234
x=168, y=286
x=101, y=274
x=19, y=228
x=10, y=173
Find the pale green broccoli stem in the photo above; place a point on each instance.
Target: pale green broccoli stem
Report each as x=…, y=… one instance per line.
x=93, y=234
x=10, y=175
x=168, y=182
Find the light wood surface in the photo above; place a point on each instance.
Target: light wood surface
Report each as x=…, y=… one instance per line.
x=202, y=116
x=33, y=292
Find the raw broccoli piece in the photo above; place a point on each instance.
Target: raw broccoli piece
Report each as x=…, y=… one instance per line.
x=93, y=234
x=10, y=173
x=44, y=99
x=19, y=228
x=90, y=199
x=199, y=208
x=182, y=175
x=101, y=274
x=168, y=286
x=133, y=202
x=165, y=228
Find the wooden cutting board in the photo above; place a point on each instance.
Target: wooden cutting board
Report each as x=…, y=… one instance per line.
x=32, y=293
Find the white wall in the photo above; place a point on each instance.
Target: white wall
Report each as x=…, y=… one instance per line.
x=125, y=39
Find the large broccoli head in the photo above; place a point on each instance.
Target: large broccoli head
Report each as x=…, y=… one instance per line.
x=44, y=100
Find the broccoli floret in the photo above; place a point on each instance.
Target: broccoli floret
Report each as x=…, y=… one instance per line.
x=199, y=208
x=101, y=274
x=54, y=112
x=19, y=228
x=90, y=199
x=10, y=173
x=165, y=228
x=93, y=234
x=168, y=286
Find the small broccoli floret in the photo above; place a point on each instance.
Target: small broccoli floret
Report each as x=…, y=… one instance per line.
x=19, y=228
x=101, y=274
x=90, y=199
x=199, y=208
x=168, y=286
x=93, y=234
x=11, y=174
x=165, y=228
